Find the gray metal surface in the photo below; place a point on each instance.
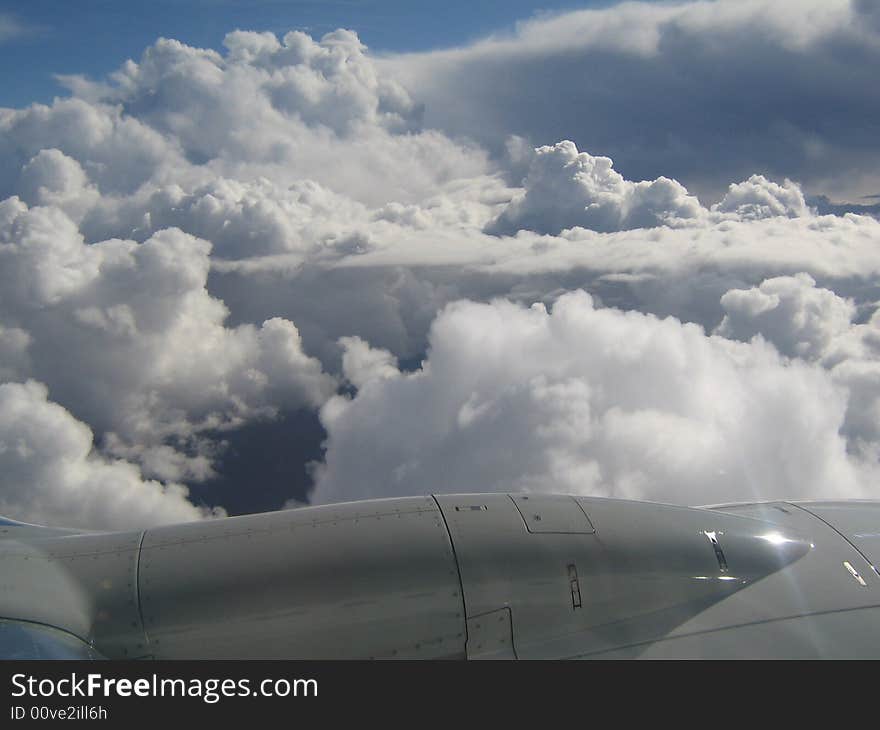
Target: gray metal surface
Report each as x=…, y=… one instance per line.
x=815, y=608
x=846, y=634
x=552, y=513
x=477, y=576
x=83, y=584
x=858, y=522
x=490, y=636
x=359, y=580
x=646, y=570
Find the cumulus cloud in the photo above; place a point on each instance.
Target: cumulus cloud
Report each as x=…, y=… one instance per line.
x=282, y=109
x=565, y=188
x=51, y=178
x=127, y=336
x=703, y=92
x=799, y=318
x=214, y=240
x=759, y=197
x=50, y=473
x=388, y=287
x=330, y=83
x=242, y=219
x=587, y=400
x=362, y=363
x=806, y=321
x=116, y=150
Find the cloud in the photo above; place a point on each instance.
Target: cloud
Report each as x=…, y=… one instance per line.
x=759, y=197
x=799, y=318
x=565, y=188
x=51, y=178
x=806, y=321
x=703, y=92
x=282, y=109
x=116, y=150
x=388, y=289
x=50, y=474
x=203, y=250
x=362, y=363
x=242, y=219
x=14, y=359
x=127, y=336
x=589, y=400
x=11, y=28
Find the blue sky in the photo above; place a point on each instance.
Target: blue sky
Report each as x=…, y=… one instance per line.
x=92, y=37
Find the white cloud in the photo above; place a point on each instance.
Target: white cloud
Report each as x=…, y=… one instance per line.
x=759, y=197
x=799, y=318
x=242, y=219
x=51, y=178
x=127, y=336
x=362, y=363
x=50, y=474
x=284, y=110
x=807, y=321
x=209, y=239
x=590, y=401
x=116, y=150
x=565, y=188
x=704, y=92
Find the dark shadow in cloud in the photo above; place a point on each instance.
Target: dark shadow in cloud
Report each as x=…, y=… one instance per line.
x=824, y=206
x=711, y=106
x=264, y=464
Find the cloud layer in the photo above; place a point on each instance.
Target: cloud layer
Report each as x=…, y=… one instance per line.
x=565, y=188
x=706, y=92
x=51, y=475
x=587, y=401
x=208, y=242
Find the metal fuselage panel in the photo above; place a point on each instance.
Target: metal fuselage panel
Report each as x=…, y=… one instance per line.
x=600, y=574
x=360, y=580
x=83, y=584
x=856, y=522
x=824, y=605
x=460, y=576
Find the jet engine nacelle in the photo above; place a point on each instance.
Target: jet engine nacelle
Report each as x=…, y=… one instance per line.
x=456, y=576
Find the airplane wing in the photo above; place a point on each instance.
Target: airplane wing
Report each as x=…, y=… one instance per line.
x=467, y=576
